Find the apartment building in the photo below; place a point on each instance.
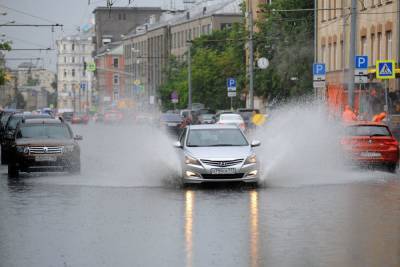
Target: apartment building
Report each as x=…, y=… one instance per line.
x=74, y=83
x=148, y=47
x=377, y=35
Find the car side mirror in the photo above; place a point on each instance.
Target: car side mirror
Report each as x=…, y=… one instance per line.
x=177, y=144
x=255, y=143
x=78, y=137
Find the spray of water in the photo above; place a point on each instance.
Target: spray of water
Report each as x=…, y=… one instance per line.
x=301, y=146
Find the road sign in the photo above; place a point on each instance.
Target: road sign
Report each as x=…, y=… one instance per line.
x=174, y=97
x=361, y=67
x=319, y=72
x=262, y=63
x=231, y=84
x=90, y=66
x=231, y=93
x=361, y=79
x=319, y=84
x=385, y=69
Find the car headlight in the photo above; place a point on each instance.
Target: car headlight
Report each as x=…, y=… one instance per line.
x=192, y=161
x=23, y=149
x=69, y=148
x=251, y=159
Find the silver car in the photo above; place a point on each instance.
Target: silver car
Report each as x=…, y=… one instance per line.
x=217, y=153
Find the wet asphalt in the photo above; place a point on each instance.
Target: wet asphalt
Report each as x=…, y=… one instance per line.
x=112, y=215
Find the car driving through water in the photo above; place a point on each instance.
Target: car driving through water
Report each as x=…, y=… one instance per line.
x=217, y=153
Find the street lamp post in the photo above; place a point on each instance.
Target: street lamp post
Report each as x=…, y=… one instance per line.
x=189, y=76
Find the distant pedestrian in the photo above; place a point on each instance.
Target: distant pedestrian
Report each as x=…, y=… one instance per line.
x=348, y=115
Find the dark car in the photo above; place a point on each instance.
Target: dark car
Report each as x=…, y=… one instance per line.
x=171, y=122
x=67, y=116
x=43, y=145
x=9, y=131
x=4, y=115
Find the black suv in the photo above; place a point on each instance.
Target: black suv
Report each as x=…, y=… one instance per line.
x=9, y=131
x=44, y=144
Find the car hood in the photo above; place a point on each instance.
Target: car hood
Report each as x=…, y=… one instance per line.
x=44, y=142
x=217, y=153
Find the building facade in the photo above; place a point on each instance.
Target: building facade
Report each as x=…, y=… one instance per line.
x=74, y=82
x=148, y=48
x=377, y=37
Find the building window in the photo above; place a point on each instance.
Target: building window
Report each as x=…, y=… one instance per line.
x=84, y=73
x=116, y=79
x=73, y=47
x=65, y=59
x=372, y=49
x=323, y=10
x=83, y=48
x=83, y=59
x=389, y=46
x=190, y=34
x=65, y=88
x=329, y=57
x=119, y=16
x=64, y=47
x=209, y=28
x=115, y=62
x=73, y=60
x=334, y=56
x=65, y=73
x=379, y=47
x=363, y=45
x=323, y=54
x=73, y=73
x=124, y=16
x=342, y=54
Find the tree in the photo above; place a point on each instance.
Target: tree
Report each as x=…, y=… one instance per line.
x=215, y=58
x=286, y=39
x=7, y=47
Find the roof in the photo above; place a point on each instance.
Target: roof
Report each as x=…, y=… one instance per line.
x=212, y=127
x=43, y=120
x=111, y=49
x=120, y=8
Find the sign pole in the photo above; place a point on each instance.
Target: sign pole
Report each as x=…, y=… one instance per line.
x=387, y=101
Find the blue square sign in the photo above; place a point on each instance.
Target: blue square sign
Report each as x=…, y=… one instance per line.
x=361, y=62
x=231, y=84
x=319, y=69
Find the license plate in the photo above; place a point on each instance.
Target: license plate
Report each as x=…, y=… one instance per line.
x=172, y=124
x=45, y=158
x=223, y=171
x=370, y=154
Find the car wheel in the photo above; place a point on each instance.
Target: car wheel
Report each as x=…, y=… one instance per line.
x=392, y=168
x=13, y=171
x=75, y=168
x=3, y=156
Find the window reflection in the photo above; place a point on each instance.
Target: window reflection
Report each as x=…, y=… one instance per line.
x=254, y=231
x=189, y=206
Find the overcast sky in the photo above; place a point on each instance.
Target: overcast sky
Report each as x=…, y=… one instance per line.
x=70, y=13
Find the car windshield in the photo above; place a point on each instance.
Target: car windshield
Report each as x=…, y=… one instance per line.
x=207, y=116
x=12, y=124
x=368, y=130
x=216, y=137
x=52, y=131
x=231, y=117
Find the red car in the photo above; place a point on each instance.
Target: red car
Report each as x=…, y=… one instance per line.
x=78, y=118
x=113, y=116
x=371, y=144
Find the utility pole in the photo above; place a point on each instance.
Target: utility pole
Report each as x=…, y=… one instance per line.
x=189, y=77
x=251, y=56
x=353, y=34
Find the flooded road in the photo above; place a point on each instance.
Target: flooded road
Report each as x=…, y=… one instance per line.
x=118, y=217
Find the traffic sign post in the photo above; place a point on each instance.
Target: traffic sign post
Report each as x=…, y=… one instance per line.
x=319, y=76
x=361, y=69
x=231, y=86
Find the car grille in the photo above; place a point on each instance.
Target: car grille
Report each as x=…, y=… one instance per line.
x=222, y=163
x=223, y=176
x=45, y=149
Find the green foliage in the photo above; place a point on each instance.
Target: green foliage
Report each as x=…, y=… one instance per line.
x=4, y=46
x=215, y=58
x=286, y=39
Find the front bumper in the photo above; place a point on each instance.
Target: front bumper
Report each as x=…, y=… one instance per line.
x=62, y=161
x=248, y=173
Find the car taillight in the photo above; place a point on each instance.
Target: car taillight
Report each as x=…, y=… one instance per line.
x=392, y=142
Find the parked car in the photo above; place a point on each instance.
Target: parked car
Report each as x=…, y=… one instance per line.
x=113, y=116
x=371, y=144
x=9, y=131
x=80, y=118
x=171, y=122
x=44, y=144
x=232, y=119
x=206, y=119
x=67, y=116
x=217, y=153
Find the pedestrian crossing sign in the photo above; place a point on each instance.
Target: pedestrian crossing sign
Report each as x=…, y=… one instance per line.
x=385, y=69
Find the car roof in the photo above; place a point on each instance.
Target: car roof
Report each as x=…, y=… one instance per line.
x=366, y=123
x=211, y=126
x=43, y=121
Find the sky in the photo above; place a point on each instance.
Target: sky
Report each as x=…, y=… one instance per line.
x=70, y=13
